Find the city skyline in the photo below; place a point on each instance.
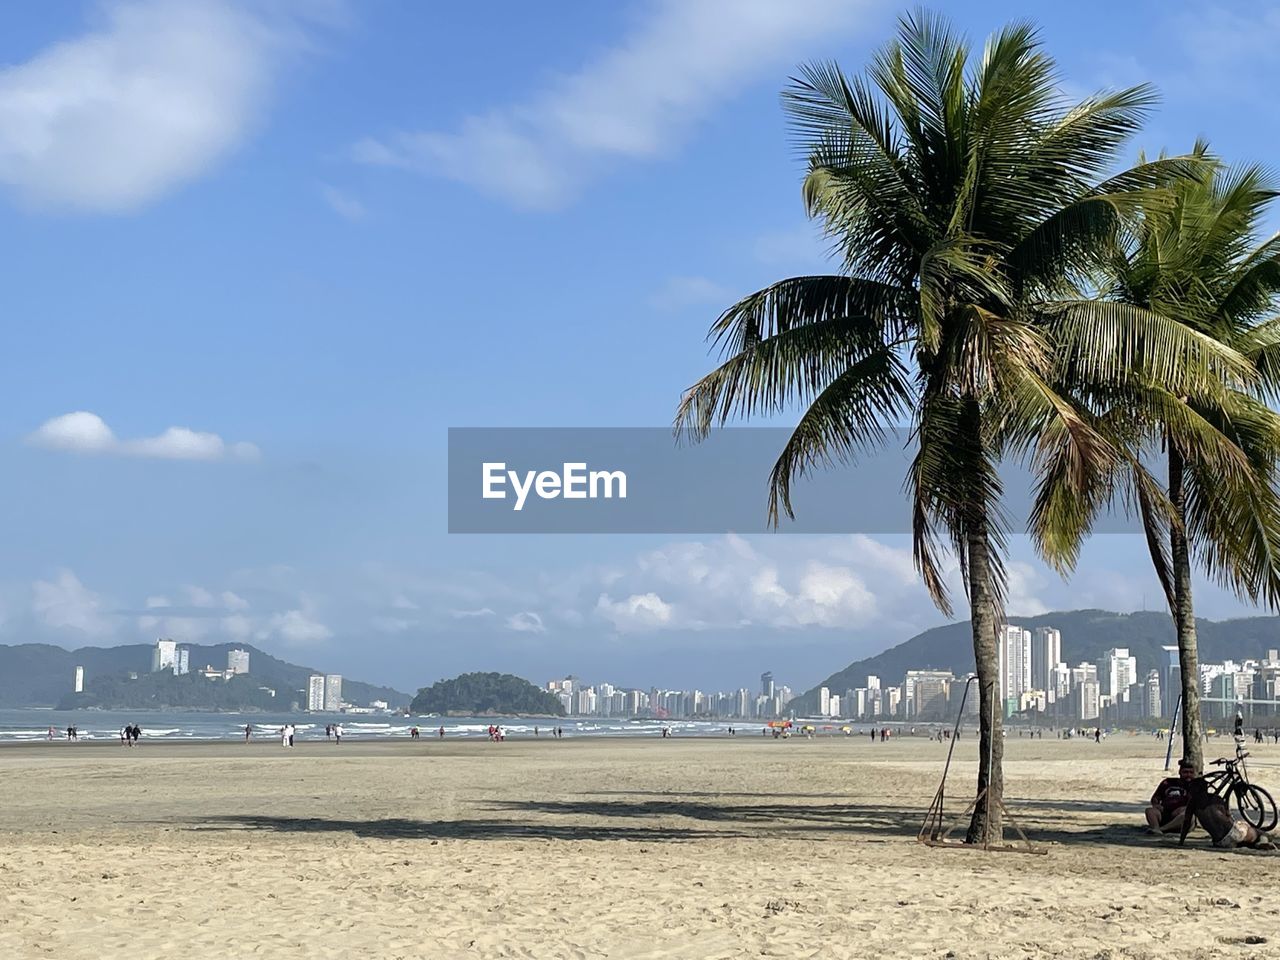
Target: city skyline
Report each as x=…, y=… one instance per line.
x=1108, y=690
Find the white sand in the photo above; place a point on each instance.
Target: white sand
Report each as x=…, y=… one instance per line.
x=602, y=848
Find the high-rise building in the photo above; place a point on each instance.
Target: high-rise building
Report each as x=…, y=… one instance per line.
x=237, y=661
x=1061, y=687
x=315, y=693
x=1118, y=671
x=1082, y=672
x=1151, y=701
x=164, y=656
x=1046, y=652
x=766, y=684
x=927, y=693
x=1015, y=665
x=182, y=664
x=833, y=706
x=332, y=692
x=1087, y=704
x=79, y=679
x=824, y=702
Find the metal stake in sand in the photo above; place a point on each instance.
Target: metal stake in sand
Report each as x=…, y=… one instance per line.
x=1168, y=754
x=933, y=820
x=931, y=833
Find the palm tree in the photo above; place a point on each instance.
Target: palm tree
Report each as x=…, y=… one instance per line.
x=959, y=196
x=1197, y=262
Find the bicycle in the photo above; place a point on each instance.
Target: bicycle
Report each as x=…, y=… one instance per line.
x=1253, y=802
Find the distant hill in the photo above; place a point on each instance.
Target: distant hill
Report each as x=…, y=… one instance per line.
x=478, y=694
x=1086, y=635
x=40, y=675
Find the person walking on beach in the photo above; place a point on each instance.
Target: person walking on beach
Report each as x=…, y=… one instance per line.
x=328, y=731
x=337, y=733
x=125, y=739
x=440, y=732
x=1097, y=734
x=135, y=733
x=248, y=732
x=284, y=736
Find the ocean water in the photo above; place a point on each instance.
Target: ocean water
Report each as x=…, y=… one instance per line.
x=34, y=724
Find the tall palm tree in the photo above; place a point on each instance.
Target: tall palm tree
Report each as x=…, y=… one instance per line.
x=1197, y=261
x=959, y=195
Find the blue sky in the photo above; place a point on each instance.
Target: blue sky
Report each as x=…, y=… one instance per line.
x=272, y=252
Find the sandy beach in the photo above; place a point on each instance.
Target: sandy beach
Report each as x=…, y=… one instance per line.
x=604, y=848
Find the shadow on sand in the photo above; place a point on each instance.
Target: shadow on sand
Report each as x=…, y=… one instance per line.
x=638, y=816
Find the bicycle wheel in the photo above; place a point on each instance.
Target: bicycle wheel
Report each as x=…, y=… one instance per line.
x=1256, y=806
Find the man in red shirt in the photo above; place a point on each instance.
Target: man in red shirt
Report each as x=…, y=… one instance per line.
x=1169, y=802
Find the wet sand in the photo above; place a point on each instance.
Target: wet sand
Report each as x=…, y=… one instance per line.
x=613, y=848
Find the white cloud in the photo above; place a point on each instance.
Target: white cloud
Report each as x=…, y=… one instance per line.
x=680, y=292
x=637, y=612
x=152, y=97
x=1024, y=583
x=791, y=583
x=298, y=628
x=343, y=205
x=232, y=601
x=633, y=101
x=199, y=596
x=80, y=432
x=525, y=622
x=84, y=432
x=65, y=603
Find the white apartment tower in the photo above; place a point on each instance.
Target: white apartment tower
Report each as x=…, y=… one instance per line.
x=1015, y=662
x=237, y=661
x=1121, y=671
x=164, y=656
x=1061, y=687
x=1087, y=703
x=332, y=692
x=315, y=693
x=79, y=679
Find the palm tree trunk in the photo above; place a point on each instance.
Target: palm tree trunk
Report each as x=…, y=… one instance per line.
x=985, y=824
x=1184, y=618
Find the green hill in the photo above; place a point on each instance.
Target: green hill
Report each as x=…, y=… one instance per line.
x=478, y=694
x=1086, y=635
